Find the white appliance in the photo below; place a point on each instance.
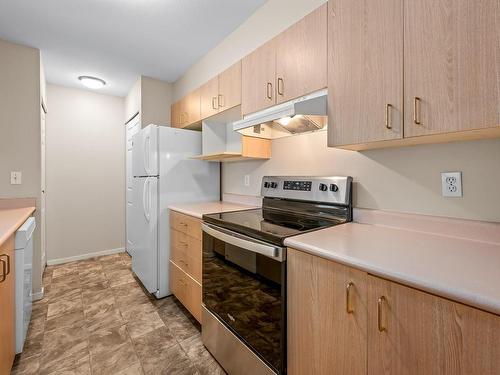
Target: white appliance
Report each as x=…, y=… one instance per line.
x=302, y=115
x=164, y=173
x=133, y=126
x=23, y=279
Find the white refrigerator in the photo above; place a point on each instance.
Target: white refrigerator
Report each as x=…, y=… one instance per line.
x=164, y=174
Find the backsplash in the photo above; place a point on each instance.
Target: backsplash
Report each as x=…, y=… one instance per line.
x=401, y=179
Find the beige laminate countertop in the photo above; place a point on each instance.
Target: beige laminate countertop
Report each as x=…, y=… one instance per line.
x=200, y=209
x=11, y=219
x=462, y=270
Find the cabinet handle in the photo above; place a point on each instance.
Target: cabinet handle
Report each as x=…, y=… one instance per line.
x=214, y=105
x=4, y=271
x=416, y=110
x=282, y=85
x=221, y=100
x=8, y=262
x=388, y=123
x=182, y=224
x=349, y=309
x=381, y=327
x=269, y=90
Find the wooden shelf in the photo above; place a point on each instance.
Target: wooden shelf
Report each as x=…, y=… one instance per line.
x=227, y=157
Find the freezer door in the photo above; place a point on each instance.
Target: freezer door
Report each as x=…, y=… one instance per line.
x=145, y=232
x=145, y=152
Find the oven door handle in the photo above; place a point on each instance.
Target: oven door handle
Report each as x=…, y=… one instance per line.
x=244, y=242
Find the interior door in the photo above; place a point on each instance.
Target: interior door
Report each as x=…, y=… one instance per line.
x=365, y=71
x=145, y=232
x=43, y=188
x=451, y=65
x=132, y=128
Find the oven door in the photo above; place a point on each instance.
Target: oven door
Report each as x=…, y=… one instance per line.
x=244, y=286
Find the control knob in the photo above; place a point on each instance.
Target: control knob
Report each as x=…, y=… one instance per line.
x=274, y=185
x=323, y=187
x=334, y=187
x=266, y=184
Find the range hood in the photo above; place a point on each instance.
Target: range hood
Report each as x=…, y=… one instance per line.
x=298, y=116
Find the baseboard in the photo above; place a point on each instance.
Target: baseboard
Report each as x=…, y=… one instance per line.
x=53, y=262
x=38, y=295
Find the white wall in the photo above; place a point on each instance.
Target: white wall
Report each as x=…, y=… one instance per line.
x=85, y=173
x=156, y=99
x=20, y=91
x=404, y=179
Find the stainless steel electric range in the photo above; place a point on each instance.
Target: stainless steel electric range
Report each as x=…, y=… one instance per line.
x=244, y=268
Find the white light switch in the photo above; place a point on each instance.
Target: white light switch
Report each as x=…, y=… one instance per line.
x=247, y=180
x=15, y=178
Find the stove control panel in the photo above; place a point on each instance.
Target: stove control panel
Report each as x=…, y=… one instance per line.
x=315, y=189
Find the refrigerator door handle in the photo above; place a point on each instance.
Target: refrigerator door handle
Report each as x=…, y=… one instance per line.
x=147, y=153
x=145, y=208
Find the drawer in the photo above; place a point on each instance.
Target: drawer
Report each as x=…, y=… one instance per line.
x=186, y=289
x=185, y=252
x=186, y=224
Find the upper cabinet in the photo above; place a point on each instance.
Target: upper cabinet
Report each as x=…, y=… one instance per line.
x=186, y=113
x=452, y=65
x=222, y=92
x=444, y=53
x=288, y=66
x=230, y=87
x=301, y=58
x=365, y=71
x=258, y=73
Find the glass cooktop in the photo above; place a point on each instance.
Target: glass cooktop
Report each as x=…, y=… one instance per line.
x=269, y=225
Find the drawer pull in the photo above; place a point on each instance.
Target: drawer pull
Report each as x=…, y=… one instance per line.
x=349, y=308
x=182, y=224
x=269, y=92
x=221, y=100
x=416, y=110
x=281, y=85
x=381, y=326
x=388, y=123
x=4, y=271
x=214, y=103
x=8, y=262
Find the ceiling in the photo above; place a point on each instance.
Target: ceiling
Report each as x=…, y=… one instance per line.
x=118, y=40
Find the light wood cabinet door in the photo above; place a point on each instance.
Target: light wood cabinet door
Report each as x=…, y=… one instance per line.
x=230, y=87
x=7, y=305
x=192, y=107
x=323, y=337
x=175, y=114
x=258, y=72
x=412, y=332
x=301, y=61
x=452, y=64
x=209, y=97
x=365, y=71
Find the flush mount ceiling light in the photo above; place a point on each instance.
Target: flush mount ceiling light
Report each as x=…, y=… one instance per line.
x=92, y=82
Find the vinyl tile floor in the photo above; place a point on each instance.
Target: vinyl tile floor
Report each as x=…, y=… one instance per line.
x=96, y=318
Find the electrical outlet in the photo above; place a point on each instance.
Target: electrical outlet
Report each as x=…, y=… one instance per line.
x=451, y=184
x=15, y=178
x=247, y=180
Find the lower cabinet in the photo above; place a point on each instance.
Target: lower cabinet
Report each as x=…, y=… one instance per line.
x=344, y=321
x=7, y=306
x=185, y=261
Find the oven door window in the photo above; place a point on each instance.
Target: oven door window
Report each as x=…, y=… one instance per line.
x=246, y=291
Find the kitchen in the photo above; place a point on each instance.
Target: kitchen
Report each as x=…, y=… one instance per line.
x=308, y=193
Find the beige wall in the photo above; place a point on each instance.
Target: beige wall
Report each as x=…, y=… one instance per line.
x=267, y=21
x=405, y=179
x=156, y=98
x=20, y=131
x=85, y=173
x=152, y=99
x=133, y=100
